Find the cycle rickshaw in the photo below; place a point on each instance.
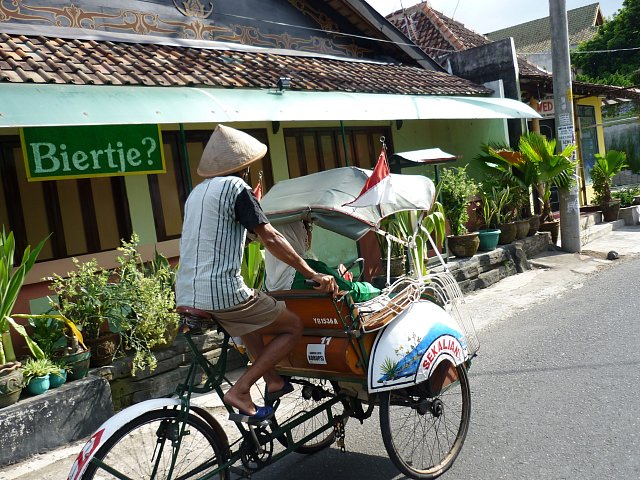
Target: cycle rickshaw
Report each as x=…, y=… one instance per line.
x=406, y=352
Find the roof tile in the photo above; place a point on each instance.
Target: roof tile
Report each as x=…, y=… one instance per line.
x=580, y=21
x=42, y=59
x=438, y=35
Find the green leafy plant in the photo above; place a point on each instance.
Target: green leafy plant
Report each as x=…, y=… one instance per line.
x=11, y=281
x=389, y=367
x=39, y=367
x=603, y=171
x=88, y=298
x=535, y=165
x=494, y=205
x=146, y=303
x=396, y=226
x=456, y=189
x=553, y=169
x=626, y=195
x=253, y=268
x=404, y=224
x=136, y=300
x=52, y=333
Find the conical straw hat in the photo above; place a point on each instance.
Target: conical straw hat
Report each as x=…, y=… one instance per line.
x=228, y=151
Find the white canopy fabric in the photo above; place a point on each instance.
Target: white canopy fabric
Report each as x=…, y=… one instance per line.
x=321, y=196
x=29, y=105
x=428, y=155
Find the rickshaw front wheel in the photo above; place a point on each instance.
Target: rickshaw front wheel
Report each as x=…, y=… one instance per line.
x=439, y=424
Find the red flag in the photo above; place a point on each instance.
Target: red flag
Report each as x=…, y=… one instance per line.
x=258, y=191
x=377, y=189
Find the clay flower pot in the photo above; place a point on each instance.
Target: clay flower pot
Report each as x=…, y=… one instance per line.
x=10, y=383
x=463, y=245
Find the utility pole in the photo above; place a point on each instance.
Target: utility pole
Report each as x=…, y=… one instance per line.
x=565, y=131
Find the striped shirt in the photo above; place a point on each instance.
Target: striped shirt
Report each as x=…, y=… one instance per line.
x=212, y=244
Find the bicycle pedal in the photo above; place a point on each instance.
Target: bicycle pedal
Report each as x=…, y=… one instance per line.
x=242, y=418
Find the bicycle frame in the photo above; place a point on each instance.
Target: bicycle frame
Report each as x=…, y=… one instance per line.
x=215, y=373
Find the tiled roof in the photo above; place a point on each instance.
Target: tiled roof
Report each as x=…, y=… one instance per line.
x=39, y=59
x=439, y=35
x=535, y=36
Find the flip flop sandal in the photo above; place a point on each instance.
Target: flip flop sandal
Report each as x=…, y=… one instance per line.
x=273, y=396
x=262, y=414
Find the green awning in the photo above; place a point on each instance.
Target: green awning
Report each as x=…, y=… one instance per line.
x=28, y=105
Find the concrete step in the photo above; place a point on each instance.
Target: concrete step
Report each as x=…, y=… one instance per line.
x=589, y=219
x=599, y=230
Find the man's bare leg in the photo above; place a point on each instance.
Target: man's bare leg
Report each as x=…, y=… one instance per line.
x=255, y=345
x=287, y=329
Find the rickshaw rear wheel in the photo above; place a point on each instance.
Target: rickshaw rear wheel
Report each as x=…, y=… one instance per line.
x=438, y=422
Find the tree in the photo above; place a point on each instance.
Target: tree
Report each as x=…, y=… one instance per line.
x=620, y=67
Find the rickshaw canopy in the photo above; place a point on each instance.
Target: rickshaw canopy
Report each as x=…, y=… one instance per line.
x=321, y=198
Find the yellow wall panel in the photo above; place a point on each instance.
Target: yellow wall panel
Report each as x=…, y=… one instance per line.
x=105, y=213
x=169, y=197
x=33, y=207
x=71, y=211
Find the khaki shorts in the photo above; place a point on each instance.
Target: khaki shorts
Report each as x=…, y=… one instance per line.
x=257, y=312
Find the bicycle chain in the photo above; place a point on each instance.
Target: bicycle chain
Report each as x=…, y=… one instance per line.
x=339, y=433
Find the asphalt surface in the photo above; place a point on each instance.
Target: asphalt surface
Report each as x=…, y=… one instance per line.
x=512, y=305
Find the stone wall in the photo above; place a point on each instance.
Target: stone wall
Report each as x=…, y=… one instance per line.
x=172, y=368
x=486, y=268
x=57, y=417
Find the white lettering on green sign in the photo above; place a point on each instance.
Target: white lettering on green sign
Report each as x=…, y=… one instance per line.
x=89, y=151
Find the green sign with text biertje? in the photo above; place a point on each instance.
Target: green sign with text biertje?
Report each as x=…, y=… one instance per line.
x=55, y=153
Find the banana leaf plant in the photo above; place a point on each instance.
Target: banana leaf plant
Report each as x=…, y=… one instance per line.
x=253, y=269
x=404, y=224
x=11, y=281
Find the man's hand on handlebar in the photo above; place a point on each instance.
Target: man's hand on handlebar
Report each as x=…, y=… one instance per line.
x=324, y=283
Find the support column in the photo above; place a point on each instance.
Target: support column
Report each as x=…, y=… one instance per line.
x=565, y=131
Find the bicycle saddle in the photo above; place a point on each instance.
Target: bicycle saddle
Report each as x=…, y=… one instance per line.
x=195, y=320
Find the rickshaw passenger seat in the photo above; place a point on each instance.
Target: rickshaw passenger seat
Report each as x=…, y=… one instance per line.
x=316, y=309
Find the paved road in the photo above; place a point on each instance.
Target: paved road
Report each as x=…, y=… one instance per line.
x=556, y=395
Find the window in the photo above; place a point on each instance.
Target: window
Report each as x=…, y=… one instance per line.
x=311, y=150
x=588, y=138
x=83, y=216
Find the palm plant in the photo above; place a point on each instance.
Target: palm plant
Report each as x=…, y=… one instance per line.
x=603, y=171
x=553, y=169
x=514, y=171
x=535, y=165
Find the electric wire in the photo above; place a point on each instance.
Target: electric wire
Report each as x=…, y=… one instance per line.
x=380, y=40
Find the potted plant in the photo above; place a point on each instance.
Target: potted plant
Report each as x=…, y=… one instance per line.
x=147, y=304
x=136, y=301
x=393, y=250
x=553, y=169
x=514, y=170
x=11, y=281
x=602, y=173
x=61, y=341
x=456, y=189
x=492, y=199
x=91, y=301
x=57, y=379
x=36, y=374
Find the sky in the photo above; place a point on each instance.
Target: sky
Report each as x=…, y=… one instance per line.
x=485, y=16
